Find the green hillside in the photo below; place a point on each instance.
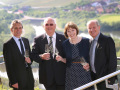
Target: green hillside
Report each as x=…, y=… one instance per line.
x=109, y=18
x=40, y=3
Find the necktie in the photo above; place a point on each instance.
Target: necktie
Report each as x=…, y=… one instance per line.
x=92, y=55
x=51, y=45
x=21, y=45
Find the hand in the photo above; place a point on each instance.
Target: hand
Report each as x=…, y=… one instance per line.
x=86, y=66
x=15, y=85
x=27, y=59
x=59, y=58
x=45, y=56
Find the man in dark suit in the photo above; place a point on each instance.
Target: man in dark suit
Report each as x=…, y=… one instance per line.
x=17, y=65
x=103, y=60
x=51, y=72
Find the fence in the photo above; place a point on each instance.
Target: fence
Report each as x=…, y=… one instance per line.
x=2, y=69
x=114, y=86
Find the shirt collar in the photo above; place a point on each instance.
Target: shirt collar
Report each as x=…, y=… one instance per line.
x=16, y=39
x=54, y=36
x=96, y=38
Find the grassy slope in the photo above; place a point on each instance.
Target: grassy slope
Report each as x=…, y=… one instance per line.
x=41, y=3
x=110, y=18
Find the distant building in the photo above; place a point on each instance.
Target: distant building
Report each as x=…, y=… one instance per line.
x=118, y=6
x=25, y=8
x=108, y=10
x=7, y=7
x=99, y=10
x=10, y=12
x=19, y=12
x=66, y=10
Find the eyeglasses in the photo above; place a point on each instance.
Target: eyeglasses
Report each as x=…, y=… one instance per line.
x=48, y=24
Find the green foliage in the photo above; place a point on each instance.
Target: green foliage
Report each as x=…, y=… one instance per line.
x=115, y=26
x=117, y=46
x=3, y=38
x=40, y=3
x=36, y=13
x=6, y=19
x=80, y=18
x=110, y=18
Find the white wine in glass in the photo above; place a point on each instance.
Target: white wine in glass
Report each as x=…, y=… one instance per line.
x=83, y=61
x=56, y=51
x=47, y=50
x=26, y=55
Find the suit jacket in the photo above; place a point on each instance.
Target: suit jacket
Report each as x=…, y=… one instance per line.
x=105, y=56
x=15, y=64
x=49, y=70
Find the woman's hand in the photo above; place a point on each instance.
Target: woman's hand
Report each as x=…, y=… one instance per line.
x=86, y=67
x=59, y=58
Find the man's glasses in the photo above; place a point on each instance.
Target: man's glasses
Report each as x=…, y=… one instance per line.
x=48, y=24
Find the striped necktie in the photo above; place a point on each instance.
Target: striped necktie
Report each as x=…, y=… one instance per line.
x=51, y=46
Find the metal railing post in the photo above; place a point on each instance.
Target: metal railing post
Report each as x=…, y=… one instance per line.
x=114, y=86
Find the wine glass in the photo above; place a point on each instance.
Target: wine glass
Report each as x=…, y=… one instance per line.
x=83, y=61
x=47, y=50
x=26, y=55
x=56, y=51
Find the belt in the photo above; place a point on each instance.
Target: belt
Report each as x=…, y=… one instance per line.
x=76, y=62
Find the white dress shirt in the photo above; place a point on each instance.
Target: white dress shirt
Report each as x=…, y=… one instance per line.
x=18, y=43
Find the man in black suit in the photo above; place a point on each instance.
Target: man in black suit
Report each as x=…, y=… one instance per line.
x=103, y=60
x=51, y=72
x=17, y=65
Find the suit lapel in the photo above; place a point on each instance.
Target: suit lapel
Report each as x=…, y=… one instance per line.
x=58, y=40
x=25, y=43
x=98, y=47
x=16, y=48
x=45, y=41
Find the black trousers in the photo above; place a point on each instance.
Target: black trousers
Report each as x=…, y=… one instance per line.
x=100, y=86
x=54, y=86
x=30, y=82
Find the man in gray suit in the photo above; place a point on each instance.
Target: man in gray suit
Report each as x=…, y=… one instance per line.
x=17, y=65
x=103, y=60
